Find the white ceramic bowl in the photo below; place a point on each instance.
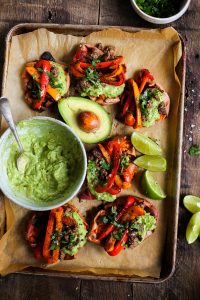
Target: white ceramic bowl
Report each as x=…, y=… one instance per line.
x=183, y=7
x=36, y=128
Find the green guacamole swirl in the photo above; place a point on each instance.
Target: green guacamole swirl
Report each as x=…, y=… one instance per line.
x=51, y=166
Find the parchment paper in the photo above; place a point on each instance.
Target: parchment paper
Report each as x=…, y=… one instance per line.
x=157, y=50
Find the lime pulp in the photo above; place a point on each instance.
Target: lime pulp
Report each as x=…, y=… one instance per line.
x=152, y=163
x=192, y=203
x=193, y=228
x=151, y=187
x=144, y=144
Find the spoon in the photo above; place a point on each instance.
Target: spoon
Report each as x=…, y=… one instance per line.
x=6, y=112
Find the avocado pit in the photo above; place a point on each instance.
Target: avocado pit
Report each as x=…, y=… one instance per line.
x=88, y=121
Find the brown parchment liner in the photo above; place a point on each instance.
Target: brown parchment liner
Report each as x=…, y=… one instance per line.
x=157, y=50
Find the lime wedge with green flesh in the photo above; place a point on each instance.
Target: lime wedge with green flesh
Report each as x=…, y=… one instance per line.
x=145, y=145
x=193, y=228
x=192, y=203
x=152, y=163
x=151, y=187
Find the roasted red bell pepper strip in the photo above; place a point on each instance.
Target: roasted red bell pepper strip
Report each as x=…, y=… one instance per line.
x=85, y=65
x=114, y=190
x=127, y=104
x=111, y=177
x=129, y=119
x=110, y=243
x=77, y=56
x=107, y=231
x=143, y=78
x=129, y=172
x=162, y=117
x=138, y=117
x=81, y=53
x=129, y=202
x=75, y=72
x=116, y=72
x=119, y=245
x=56, y=252
x=118, y=181
x=112, y=62
x=33, y=231
x=96, y=228
x=120, y=80
x=105, y=153
x=44, y=80
x=132, y=212
x=49, y=231
x=78, y=67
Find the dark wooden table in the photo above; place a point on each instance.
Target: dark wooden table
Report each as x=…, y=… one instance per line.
x=185, y=283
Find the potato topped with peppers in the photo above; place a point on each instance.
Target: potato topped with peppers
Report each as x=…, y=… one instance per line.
x=124, y=223
x=110, y=169
x=57, y=234
x=45, y=82
x=143, y=102
x=98, y=73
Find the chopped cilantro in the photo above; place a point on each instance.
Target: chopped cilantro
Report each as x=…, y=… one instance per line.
x=92, y=76
x=124, y=161
x=54, y=246
x=52, y=79
x=194, y=150
x=135, y=226
x=72, y=237
x=117, y=236
x=93, y=63
x=104, y=165
x=159, y=8
x=40, y=70
x=36, y=91
x=105, y=219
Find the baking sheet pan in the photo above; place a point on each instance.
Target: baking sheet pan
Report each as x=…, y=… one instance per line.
x=171, y=237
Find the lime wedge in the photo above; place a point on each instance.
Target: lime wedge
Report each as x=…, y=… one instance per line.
x=144, y=144
x=152, y=163
x=151, y=187
x=192, y=203
x=193, y=228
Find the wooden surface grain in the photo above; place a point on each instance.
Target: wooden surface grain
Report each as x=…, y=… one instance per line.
x=185, y=283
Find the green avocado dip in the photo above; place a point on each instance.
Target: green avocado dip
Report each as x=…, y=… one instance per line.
x=92, y=181
x=53, y=155
x=110, y=91
x=140, y=227
x=59, y=82
x=144, y=224
x=151, y=102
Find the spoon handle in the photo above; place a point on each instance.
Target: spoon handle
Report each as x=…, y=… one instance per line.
x=6, y=112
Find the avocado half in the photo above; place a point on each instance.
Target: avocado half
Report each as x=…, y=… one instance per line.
x=71, y=107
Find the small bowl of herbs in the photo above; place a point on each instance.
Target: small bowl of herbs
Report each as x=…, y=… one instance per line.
x=160, y=11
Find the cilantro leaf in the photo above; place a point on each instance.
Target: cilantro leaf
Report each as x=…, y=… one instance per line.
x=124, y=161
x=40, y=70
x=104, y=165
x=92, y=76
x=105, y=219
x=194, y=150
x=117, y=236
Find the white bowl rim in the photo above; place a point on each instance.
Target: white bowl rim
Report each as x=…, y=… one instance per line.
x=37, y=208
x=156, y=20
